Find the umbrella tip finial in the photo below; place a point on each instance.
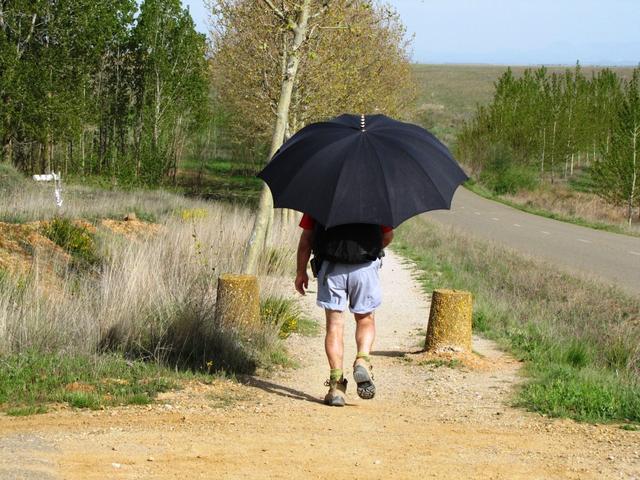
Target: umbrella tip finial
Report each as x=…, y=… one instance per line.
x=362, y=122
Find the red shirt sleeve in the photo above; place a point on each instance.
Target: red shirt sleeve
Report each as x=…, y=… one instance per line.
x=386, y=229
x=307, y=222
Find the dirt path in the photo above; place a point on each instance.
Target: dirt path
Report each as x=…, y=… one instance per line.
x=425, y=422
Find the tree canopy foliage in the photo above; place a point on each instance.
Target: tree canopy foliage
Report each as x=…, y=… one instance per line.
x=355, y=59
x=114, y=87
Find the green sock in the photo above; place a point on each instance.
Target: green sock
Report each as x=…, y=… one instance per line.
x=336, y=374
x=364, y=356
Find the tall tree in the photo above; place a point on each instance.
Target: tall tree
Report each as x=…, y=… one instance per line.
x=355, y=60
x=296, y=20
x=349, y=56
x=77, y=77
x=19, y=20
x=170, y=88
x=618, y=172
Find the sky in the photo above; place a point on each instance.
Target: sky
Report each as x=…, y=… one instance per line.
x=516, y=32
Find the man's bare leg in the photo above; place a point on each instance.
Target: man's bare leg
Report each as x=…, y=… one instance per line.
x=334, y=339
x=334, y=347
x=365, y=332
x=365, y=335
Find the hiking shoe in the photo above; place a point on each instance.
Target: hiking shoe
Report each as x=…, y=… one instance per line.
x=364, y=379
x=336, y=393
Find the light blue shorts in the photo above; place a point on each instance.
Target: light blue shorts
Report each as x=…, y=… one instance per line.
x=358, y=285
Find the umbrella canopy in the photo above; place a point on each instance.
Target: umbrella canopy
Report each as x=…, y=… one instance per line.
x=362, y=169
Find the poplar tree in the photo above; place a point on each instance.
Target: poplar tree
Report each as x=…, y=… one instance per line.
x=75, y=77
x=618, y=171
x=169, y=84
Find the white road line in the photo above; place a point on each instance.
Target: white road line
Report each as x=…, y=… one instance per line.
x=517, y=225
x=546, y=233
x=494, y=218
x=584, y=241
x=634, y=253
x=477, y=213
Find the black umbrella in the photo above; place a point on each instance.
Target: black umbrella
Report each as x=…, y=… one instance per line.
x=362, y=169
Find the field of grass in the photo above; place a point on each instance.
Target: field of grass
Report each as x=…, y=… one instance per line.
x=221, y=179
x=579, y=339
x=81, y=304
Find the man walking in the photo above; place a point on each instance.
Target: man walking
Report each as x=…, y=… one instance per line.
x=346, y=260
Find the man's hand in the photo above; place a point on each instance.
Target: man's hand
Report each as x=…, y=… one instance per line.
x=302, y=282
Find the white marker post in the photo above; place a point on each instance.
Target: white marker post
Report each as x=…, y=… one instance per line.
x=57, y=182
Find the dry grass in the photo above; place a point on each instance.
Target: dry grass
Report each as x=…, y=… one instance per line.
x=26, y=201
x=562, y=200
x=151, y=296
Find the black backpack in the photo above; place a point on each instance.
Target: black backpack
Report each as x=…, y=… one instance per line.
x=351, y=243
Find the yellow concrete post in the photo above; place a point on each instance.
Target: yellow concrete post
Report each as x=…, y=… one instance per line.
x=449, y=328
x=238, y=300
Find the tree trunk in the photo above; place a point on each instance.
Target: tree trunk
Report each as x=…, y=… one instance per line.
x=571, y=167
x=82, y=151
x=553, y=150
x=7, y=150
x=634, y=174
x=265, y=206
x=156, y=114
x=450, y=318
x=544, y=146
x=67, y=156
x=49, y=153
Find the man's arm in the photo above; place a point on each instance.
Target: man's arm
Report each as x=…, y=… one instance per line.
x=304, y=252
x=386, y=238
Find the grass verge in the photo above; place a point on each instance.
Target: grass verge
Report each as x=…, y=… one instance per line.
x=32, y=380
x=607, y=227
x=579, y=339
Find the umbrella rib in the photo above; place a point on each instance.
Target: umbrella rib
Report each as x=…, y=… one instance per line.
x=300, y=134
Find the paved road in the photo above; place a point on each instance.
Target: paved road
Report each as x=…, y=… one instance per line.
x=612, y=257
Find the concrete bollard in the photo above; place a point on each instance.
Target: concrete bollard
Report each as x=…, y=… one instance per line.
x=238, y=300
x=449, y=328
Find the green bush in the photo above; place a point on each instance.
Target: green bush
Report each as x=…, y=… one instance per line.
x=75, y=239
x=282, y=313
x=503, y=175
